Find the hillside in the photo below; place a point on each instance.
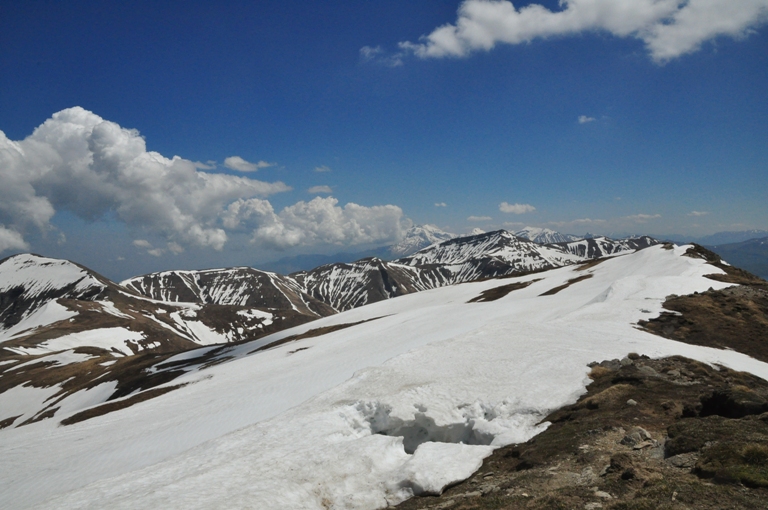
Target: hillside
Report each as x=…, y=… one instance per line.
x=751, y=255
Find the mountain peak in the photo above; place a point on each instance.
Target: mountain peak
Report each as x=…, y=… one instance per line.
x=544, y=235
x=419, y=237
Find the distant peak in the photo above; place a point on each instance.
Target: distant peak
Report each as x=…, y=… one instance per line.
x=544, y=235
x=419, y=237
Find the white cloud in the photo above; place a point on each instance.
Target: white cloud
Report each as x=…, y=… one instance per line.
x=320, y=189
x=516, y=208
x=319, y=221
x=323, y=168
x=11, y=240
x=241, y=165
x=441, y=204
x=175, y=248
x=208, y=165
x=669, y=28
x=583, y=119
x=479, y=218
x=698, y=213
x=379, y=56
x=79, y=162
x=642, y=218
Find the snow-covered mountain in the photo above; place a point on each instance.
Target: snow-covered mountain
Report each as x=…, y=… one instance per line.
x=66, y=328
x=417, y=238
x=361, y=409
x=463, y=259
x=596, y=247
x=347, y=286
x=545, y=235
x=241, y=286
x=491, y=254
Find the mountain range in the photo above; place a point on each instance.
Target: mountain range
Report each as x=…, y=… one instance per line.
x=415, y=238
x=363, y=408
x=56, y=315
x=245, y=388
x=751, y=254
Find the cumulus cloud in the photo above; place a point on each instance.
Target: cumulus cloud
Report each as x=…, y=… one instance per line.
x=323, y=168
x=479, y=218
x=319, y=221
x=78, y=162
x=669, y=28
x=642, y=218
x=239, y=164
x=698, y=213
x=320, y=189
x=516, y=208
x=441, y=204
x=11, y=240
x=583, y=119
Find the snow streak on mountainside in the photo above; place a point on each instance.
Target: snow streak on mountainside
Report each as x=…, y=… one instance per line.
x=361, y=409
x=347, y=286
x=544, y=235
x=417, y=238
x=500, y=248
x=596, y=247
x=241, y=286
x=28, y=282
x=487, y=255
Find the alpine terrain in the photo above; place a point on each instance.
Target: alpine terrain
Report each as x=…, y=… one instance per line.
x=239, y=388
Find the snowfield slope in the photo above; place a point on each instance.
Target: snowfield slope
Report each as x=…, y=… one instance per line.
x=361, y=409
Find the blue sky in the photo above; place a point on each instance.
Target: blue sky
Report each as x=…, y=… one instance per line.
x=673, y=136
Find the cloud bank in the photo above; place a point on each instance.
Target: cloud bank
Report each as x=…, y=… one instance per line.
x=320, y=220
x=669, y=28
x=78, y=162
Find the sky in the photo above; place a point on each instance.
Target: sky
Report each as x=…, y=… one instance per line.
x=144, y=136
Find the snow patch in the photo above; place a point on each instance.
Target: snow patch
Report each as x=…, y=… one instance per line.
x=110, y=339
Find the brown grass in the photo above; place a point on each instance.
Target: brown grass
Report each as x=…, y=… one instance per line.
x=552, y=292
x=500, y=292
